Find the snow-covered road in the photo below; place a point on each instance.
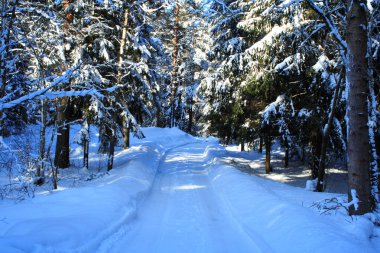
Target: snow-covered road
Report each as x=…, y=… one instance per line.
x=182, y=213
x=171, y=193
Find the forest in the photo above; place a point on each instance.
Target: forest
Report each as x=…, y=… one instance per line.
x=299, y=75
x=200, y=126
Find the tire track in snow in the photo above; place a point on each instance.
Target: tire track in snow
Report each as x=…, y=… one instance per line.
x=182, y=213
x=123, y=227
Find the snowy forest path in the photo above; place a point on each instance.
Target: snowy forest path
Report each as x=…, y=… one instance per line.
x=182, y=213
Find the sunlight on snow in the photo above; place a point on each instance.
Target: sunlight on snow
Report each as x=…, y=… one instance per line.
x=186, y=187
x=185, y=158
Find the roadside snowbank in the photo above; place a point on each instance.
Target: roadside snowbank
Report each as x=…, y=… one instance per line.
x=281, y=218
x=273, y=215
x=59, y=221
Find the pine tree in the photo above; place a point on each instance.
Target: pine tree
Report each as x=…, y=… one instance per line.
x=62, y=149
x=226, y=67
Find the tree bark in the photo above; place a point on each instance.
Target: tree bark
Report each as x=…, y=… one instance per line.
x=242, y=148
x=86, y=145
x=325, y=137
x=358, y=147
x=126, y=135
x=190, y=125
x=377, y=147
x=111, y=152
x=315, y=154
x=62, y=151
x=286, y=158
x=41, y=166
x=69, y=17
x=268, y=144
x=123, y=40
x=261, y=144
x=4, y=59
x=175, y=63
x=373, y=115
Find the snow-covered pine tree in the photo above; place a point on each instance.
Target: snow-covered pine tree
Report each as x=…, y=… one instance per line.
x=352, y=42
x=138, y=72
x=289, y=56
x=191, y=63
x=14, y=81
x=220, y=89
x=181, y=18
x=120, y=53
x=273, y=62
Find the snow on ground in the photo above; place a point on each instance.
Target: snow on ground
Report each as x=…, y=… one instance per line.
x=297, y=174
x=78, y=219
x=174, y=193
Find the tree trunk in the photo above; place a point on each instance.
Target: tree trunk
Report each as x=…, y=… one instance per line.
x=286, y=158
x=126, y=135
x=86, y=145
x=190, y=125
x=111, y=152
x=242, y=148
x=103, y=139
x=377, y=144
x=41, y=165
x=160, y=119
x=358, y=147
x=315, y=154
x=325, y=137
x=268, y=144
x=5, y=57
x=261, y=144
x=123, y=40
x=69, y=16
x=373, y=115
x=54, y=172
x=62, y=150
x=175, y=63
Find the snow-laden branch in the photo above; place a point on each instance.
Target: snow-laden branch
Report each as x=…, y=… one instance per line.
x=80, y=93
x=333, y=29
x=60, y=80
x=326, y=16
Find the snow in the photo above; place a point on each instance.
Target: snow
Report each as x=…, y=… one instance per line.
x=268, y=38
x=311, y=185
x=172, y=192
x=39, y=93
x=355, y=201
